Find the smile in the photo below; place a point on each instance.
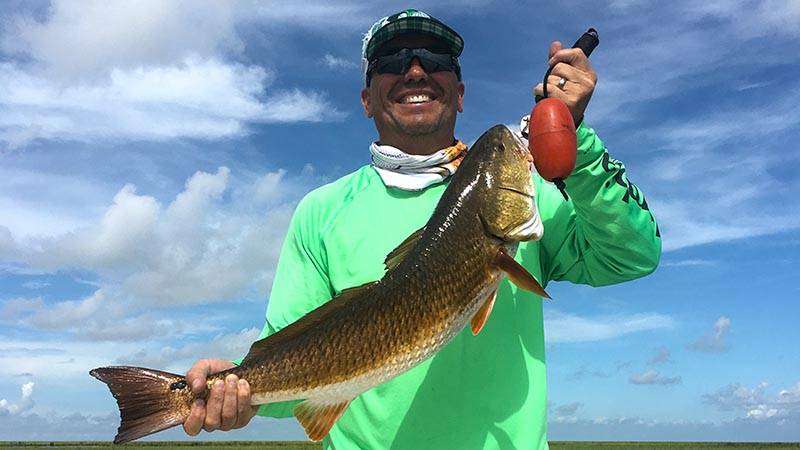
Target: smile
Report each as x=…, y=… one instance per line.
x=420, y=98
x=415, y=98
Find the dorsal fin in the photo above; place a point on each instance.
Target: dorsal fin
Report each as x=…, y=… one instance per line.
x=396, y=256
x=345, y=298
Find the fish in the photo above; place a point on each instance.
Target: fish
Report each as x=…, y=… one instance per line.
x=443, y=276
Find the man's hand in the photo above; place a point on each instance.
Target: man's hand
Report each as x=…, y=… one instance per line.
x=573, y=66
x=228, y=402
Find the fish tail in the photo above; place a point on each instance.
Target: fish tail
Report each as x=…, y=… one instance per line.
x=149, y=400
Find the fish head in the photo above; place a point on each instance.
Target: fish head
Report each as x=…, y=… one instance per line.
x=508, y=211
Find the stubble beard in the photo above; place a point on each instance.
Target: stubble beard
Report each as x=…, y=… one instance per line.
x=417, y=129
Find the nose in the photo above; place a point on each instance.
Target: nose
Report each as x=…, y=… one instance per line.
x=415, y=72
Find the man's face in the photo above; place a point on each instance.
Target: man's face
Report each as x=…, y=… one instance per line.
x=394, y=100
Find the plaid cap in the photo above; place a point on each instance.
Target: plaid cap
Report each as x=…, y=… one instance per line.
x=409, y=21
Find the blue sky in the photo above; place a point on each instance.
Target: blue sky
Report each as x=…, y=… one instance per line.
x=151, y=155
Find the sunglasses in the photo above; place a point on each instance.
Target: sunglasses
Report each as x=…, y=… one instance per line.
x=399, y=62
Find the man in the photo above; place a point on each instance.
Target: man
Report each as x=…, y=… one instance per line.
x=485, y=391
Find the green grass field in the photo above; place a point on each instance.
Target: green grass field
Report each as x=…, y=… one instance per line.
x=310, y=446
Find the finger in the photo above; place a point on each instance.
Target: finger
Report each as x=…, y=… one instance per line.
x=244, y=413
x=562, y=70
x=572, y=56
x=538, y=90
x=553, y=91
x=194, y=422
x=554, y=47
x=214, y=406
x=554, y=80
x=229, y=403
x=196, y=376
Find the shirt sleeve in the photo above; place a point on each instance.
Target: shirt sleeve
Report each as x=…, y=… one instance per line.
x=605, y=233
x=300, y=284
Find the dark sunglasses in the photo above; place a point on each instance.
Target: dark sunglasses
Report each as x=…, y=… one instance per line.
x=399, y=62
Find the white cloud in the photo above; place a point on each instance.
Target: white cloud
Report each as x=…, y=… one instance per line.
x=565, y=327
x=688, y=263
x=98, y=317
x=25, y=403
x=704, y=183
x=565, y=413
x=143, y=72
x=218, y=240
x=662, y=356
x=776, y=428
x=57, y=425
x=204, y=99
x=585, y=371
x=336, y=63
x=713, y=342
x=653, y=377
x=197, y=249
x=121, y=35
x=223, y=346
x=755, y=403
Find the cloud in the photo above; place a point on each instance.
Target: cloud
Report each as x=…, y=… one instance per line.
x=35, y=284
x=223, y=346
x=198, y=98
x=109, y=34
x=662, y=356
x=142, y=72
x=565, y=327
x=653, y=377
x=197, y=249
x=336, y=63
x=98, y=317
x=713, y=342
x=688, y=263
x=565, y=413
x=568, y=409
x=217, y=240
x=734, y=397
x=703, y=182
x=755, y=403
x=584, y=371
x=25, y=403
x=83, y=426
x=773, y=429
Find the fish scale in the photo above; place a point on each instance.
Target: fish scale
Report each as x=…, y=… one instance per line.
x=436, y=281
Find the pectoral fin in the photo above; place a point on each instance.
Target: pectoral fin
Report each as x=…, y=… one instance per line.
x=317, y=418
x=480, y=317
x=518, y=274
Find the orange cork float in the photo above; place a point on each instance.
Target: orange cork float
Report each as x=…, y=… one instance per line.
x=551, y=132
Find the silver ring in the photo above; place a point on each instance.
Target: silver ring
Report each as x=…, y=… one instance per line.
x=561, y=83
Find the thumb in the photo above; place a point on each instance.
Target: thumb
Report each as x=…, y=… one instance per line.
x=554, y=47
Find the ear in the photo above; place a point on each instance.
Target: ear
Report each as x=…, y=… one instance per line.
x=366, y=101
x=460, y=97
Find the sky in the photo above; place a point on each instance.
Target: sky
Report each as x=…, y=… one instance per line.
x=152, y=153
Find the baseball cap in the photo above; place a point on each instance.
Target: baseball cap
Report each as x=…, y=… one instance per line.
x=408, y=21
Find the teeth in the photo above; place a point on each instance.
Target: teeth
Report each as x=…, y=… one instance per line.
x=420, y=98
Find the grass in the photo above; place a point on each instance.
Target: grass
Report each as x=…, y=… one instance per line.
x=293, y=445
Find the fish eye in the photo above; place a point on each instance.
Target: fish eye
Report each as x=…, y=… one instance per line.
x=501, y=147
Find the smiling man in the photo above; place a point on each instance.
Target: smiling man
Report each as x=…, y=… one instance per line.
x=486, y=391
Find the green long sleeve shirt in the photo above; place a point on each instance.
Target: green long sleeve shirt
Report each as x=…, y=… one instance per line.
x=486, y=391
